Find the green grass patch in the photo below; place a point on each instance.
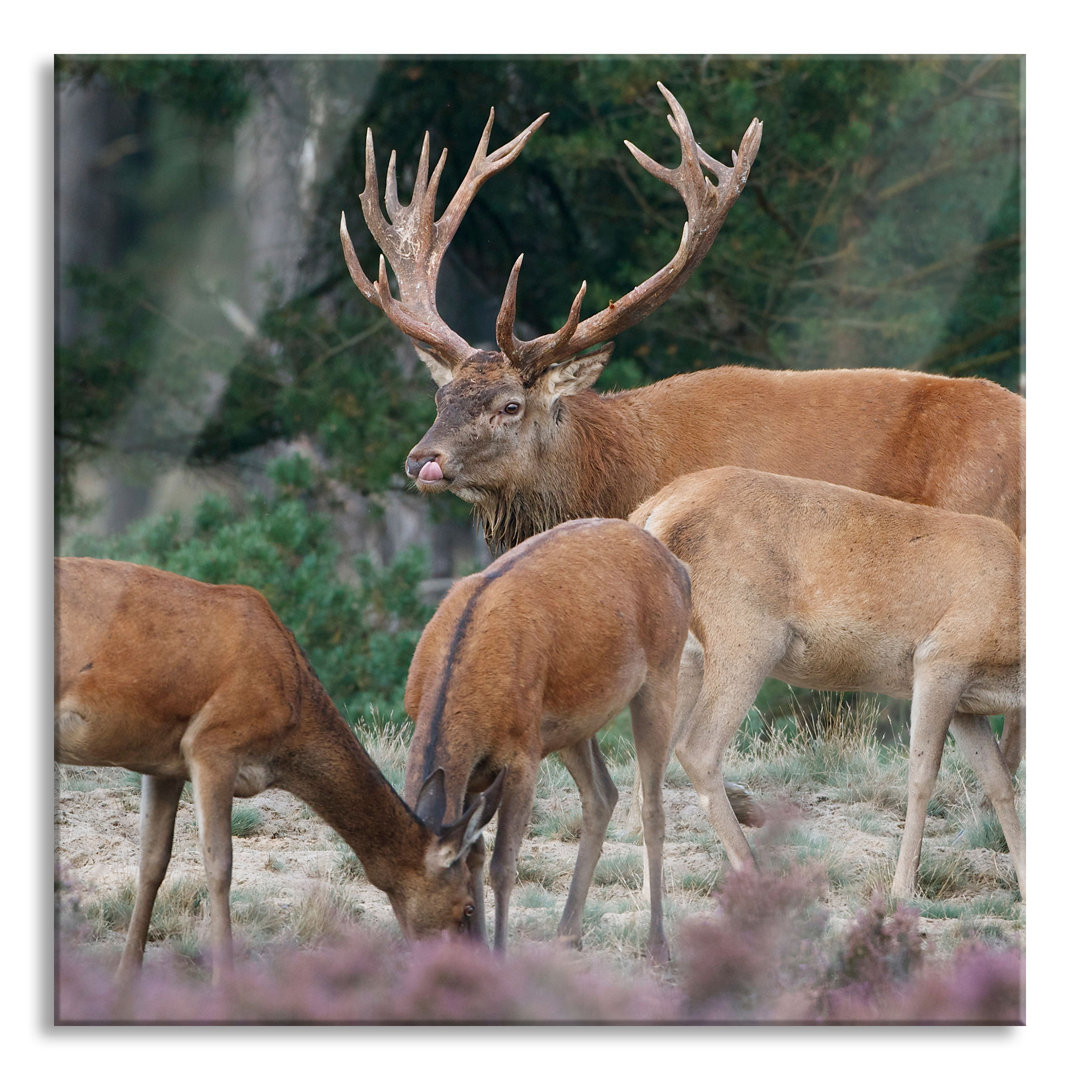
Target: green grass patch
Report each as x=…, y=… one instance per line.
x=624, y=869
x=246, y=820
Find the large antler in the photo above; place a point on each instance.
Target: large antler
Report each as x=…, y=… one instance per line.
x=415, y=242
x=707, y=206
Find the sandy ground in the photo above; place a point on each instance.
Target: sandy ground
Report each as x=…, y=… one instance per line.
x=293, y=852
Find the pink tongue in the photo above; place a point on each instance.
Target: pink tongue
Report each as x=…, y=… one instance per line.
x=431, y=471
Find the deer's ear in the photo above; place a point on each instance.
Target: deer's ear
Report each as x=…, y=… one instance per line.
x=440, y=372
x=431, y=801
x=576, y=374
x=456, y=840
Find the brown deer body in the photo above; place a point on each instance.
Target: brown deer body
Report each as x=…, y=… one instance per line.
x=180, y=680
x=522, y=437
x=830, y=588
x=534, y=655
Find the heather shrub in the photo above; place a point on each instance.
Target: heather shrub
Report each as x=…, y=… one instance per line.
x=768, y=955
x=976, y=985
x=775, y=965
x=877, y=948
x=759, y=951
x=373, y=980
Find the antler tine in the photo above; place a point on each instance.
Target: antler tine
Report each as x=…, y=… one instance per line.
x=356, y=271
x=707, y=206
x=523, y=353
x=482, y=168
x=414, y=243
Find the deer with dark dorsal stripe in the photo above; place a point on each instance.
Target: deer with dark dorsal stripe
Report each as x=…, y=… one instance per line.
x=180, y=680
x=521, y=435
x=830, y=588
x=534, y=655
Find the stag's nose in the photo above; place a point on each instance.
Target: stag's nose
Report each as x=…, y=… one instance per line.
x=424, y=467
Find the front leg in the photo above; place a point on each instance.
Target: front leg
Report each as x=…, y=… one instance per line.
x=515, y=810
x=1013, y=739
x=933, y=701
x=213, y=780
x=157, y=821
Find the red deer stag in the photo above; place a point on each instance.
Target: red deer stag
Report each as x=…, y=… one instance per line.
x=179, y=680
x=520, y=434
x=835, y=589
x=535, y=654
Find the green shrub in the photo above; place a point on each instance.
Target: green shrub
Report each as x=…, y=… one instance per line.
x=359, y=634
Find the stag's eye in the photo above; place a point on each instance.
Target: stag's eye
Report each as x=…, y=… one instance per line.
x=512, y=407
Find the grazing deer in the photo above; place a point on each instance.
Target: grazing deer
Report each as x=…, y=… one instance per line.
x=179, y=680
x=830, y=588
x=535, y=654
x=520, y=434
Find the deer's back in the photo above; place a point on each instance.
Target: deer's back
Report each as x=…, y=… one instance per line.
x=140, y=651
x=572, y=616
x=921, y=438
x=855, y=585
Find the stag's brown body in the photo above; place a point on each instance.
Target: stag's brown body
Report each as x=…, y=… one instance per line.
x=522, y=437
x=929, y=439
x=830, y=588
x=534, y=655
x=180, y=680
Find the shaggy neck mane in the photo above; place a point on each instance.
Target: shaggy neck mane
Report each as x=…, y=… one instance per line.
x=586, y=469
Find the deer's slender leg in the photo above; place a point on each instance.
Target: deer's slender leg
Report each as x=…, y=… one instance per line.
x=976, y=742
x=933, y=702
x=652, y=713
x=213, y=779
x=519, y=789
x=730, y=683
x=1013, y=739
x=475, y=860
x=598, y=797
x=157, y=821
x=691, y=672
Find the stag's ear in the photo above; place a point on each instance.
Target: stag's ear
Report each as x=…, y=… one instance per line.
x=456, y=840
x=440, y=372
x=431, y=802
x=576, y=374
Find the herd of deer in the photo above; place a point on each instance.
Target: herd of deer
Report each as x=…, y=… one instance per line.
x=839, y=530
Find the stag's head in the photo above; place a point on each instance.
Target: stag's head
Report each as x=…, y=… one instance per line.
x=498, y=410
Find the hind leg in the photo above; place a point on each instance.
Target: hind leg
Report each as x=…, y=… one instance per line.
x=691, y=667
x=976, y=742
x=652, y=713
x=701, y=753
x=1013, y=739
x=157, y=821
x=691, y=676
x=598, y=796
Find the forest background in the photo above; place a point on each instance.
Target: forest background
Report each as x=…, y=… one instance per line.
x=207, y=332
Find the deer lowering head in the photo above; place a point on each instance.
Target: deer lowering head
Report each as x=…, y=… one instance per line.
x=498, y=411
x=533, y=656
x=180, y=680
